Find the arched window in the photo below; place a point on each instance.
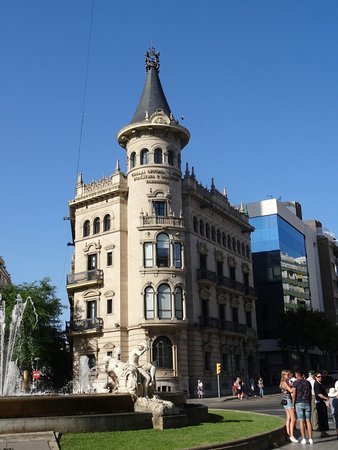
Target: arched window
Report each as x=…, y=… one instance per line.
x=164, y=302
x=218, y=234
x=86, y=228
x=201, y=227
x=238, y=247
x=162, y=250
x=234, y=244
x=207, y=230
x=213, y=234
x=163, y=353
x=229, y=241
x=224, y=239
x=144, y=156
x=149, y=303
x=243, y=249
x=170, y=158
x=178, y=303
x=106, y=222
x=247, y=250
x=132, y=160
x=195, y=224
x=158, y=156
x=96, y=225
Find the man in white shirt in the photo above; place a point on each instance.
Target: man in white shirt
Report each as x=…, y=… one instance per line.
x=314, y=413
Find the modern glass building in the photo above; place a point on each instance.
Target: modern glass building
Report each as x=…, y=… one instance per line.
x=281, y=246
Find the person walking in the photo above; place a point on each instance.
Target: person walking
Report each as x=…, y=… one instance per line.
x=200, y=389
x=260, y=385
x=239, y=389
x=287, y=405
x=333, y=395
x=301, y=400
x=322, y=400
x=314, y=414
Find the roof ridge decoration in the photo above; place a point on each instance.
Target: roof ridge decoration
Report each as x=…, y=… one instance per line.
x=152, y=59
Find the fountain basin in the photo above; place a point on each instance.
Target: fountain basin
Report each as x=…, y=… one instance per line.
x=87, y=413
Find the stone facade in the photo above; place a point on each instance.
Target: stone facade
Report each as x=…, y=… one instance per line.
x=161, y=259
x=5, y=278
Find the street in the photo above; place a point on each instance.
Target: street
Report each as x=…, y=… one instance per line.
x=269, y=404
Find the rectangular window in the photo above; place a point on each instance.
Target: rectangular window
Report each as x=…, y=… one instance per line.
x=205, y=308
x=178, y=304
x=233, y=273
x=159, y=208
x=109, y=258
x=148, y=254
x=220, y=269
x=203, y=261
x=235, y=315
x=238, y=363
x=225, y=362
x=92, y=262
x=207, y=361
x=109, y=306
x=149, y=303
x=249, y=319
x=91, y=309
x=177, y=256
x=221, y=313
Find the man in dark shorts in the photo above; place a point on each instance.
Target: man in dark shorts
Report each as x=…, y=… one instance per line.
x=301, y=399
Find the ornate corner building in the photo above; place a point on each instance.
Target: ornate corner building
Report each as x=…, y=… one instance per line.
x=162, y=259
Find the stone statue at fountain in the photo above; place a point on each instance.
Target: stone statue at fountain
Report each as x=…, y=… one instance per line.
x=138, y=380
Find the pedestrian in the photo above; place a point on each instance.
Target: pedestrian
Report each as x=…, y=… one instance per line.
x=200, y=389
x=314, y=414
x=287, y=405
x=252, y=386
x=239, y=389
x=260, y=385
x=333, y=395
x=322, y=401
x=301, y=400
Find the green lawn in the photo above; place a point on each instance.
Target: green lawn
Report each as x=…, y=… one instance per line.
x=222, y=426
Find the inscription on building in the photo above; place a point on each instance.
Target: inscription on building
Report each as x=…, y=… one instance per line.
x=156, y=176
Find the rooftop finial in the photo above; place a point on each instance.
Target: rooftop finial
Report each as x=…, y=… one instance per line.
x=152, y=59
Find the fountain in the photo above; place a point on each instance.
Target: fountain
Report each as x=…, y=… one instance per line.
x=9, y=371
x=130, y=405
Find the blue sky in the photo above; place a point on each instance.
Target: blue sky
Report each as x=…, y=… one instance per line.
x=256, y=82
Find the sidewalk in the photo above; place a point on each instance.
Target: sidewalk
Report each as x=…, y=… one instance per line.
x=29, y=441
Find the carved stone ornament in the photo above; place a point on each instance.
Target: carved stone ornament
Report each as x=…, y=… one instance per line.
x=205, y=294
x=160, y=117
x=93, y=293
x=245, y=267
x=232, y=261
x=248, y=306
x=234, y=302
x=109, y=345
x=109, y=294
x=202, y=247
x=221, y=298
x=219, y=255
x=97, y=246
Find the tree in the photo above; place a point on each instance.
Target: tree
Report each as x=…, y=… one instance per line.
x=41, y=337
x=303, y=328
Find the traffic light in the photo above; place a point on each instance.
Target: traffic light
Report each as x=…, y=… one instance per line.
x=218, y=368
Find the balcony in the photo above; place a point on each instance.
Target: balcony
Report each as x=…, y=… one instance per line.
x=229, y=283
x=88, y=278
x=251, y=291
x=204, y=274
x=226, y=325
x=94, y=324
x=161, y=220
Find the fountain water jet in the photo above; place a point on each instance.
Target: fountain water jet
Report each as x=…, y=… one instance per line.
x=8, y=369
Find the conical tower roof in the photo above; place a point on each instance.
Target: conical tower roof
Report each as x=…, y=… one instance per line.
x=152, y=98
x=153, y=112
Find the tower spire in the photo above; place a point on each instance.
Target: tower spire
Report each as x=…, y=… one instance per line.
x=152, y=98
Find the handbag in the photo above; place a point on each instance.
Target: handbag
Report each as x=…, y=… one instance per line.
x=284, y=402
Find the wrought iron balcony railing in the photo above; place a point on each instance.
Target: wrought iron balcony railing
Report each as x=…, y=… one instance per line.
x=94, y=323
x=212, y=322
x=162, y=220
x=83, y=277
x=204, y=274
